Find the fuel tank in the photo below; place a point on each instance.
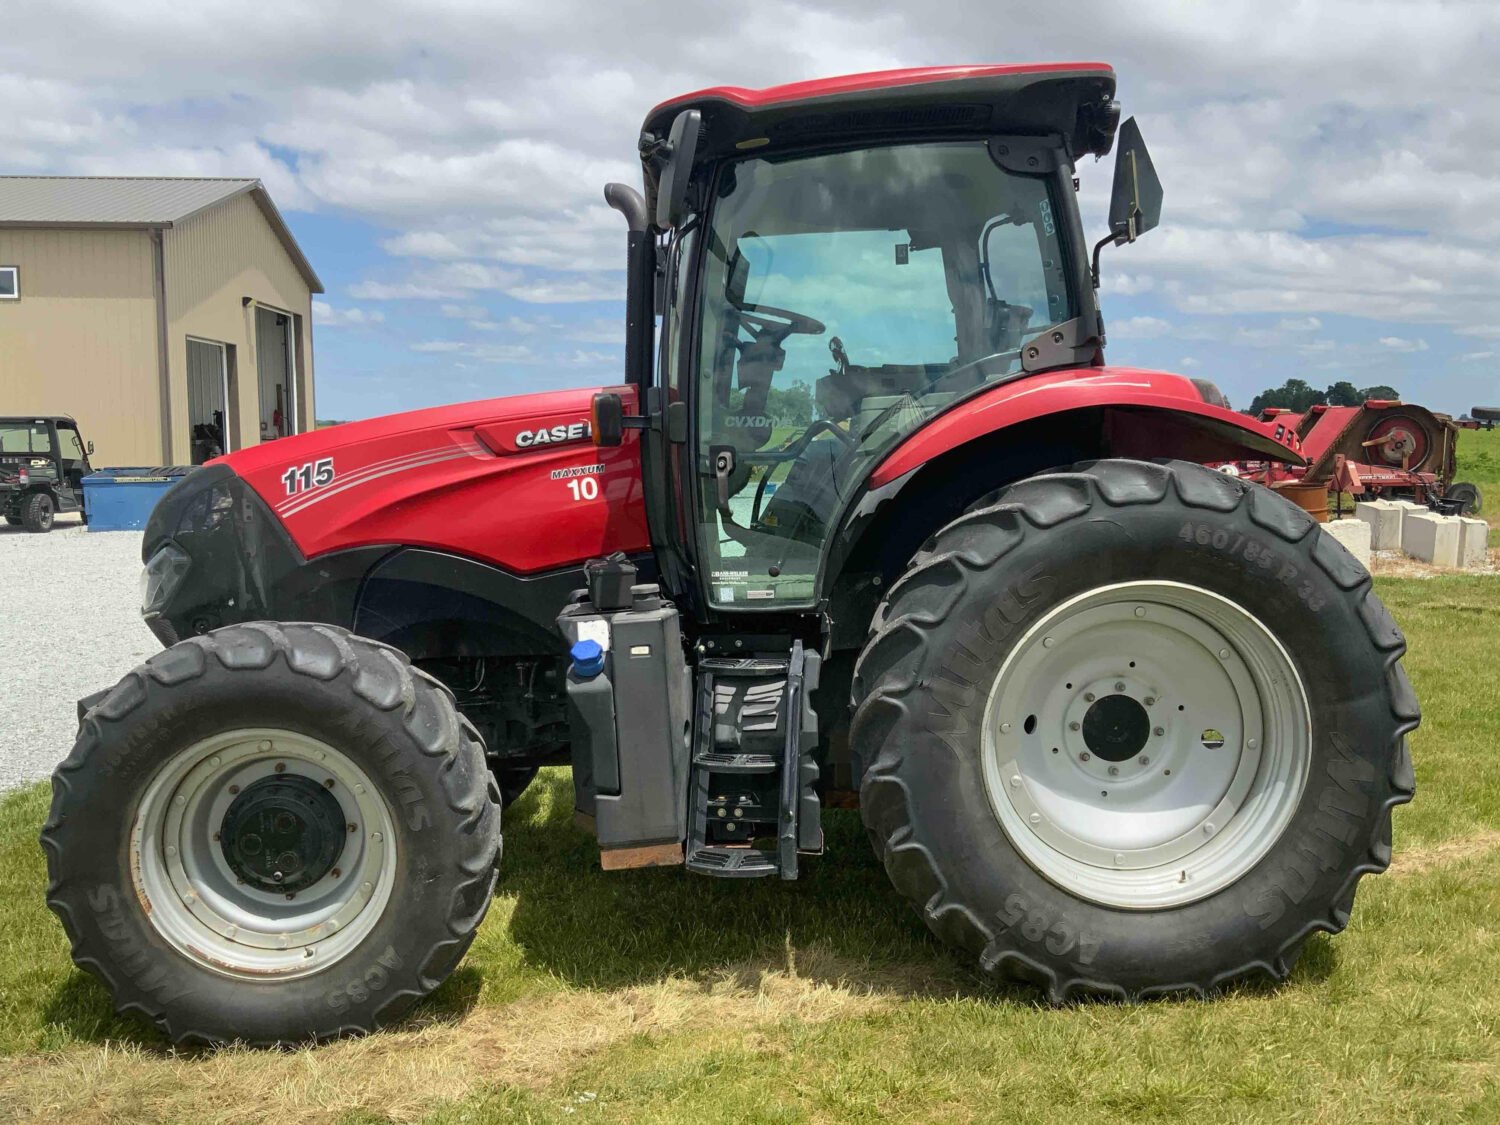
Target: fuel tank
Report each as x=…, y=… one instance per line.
x=516, y=482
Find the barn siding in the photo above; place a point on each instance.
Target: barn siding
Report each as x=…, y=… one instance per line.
x=82, y=340
x=214, y=261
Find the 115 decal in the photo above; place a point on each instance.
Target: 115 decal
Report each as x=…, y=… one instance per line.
x=312, y=474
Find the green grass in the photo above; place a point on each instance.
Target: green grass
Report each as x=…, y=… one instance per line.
x=1479, y=462
x=655, y=996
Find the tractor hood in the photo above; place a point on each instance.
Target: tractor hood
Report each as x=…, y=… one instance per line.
x=516, y=482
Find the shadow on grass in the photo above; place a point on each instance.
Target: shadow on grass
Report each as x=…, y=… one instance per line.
x=601, y=929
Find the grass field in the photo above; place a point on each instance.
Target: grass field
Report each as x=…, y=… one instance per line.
x=1479, y=461
x=660, y=997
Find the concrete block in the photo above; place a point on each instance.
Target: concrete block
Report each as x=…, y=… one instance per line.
x=1384, y=518
x=1431, y=538
x=1473, y=542
x=1354, y=535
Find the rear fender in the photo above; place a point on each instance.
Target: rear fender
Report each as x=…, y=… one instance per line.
x=1014, y=431
x=1145, y=414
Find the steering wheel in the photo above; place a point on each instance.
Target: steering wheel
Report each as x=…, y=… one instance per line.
x=775, y=325
x=794, y=451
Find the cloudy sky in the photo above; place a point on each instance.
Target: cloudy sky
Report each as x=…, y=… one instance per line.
x=1332, y=168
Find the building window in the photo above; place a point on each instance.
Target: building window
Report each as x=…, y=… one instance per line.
x=10, y=283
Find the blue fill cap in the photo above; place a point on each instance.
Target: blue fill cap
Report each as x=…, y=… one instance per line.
x=588, y=659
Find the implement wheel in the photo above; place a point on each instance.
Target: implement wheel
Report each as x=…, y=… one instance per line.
x=1133, y=729
x=272, y=833
x=1467, y=497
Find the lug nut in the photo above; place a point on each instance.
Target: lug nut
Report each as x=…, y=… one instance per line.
x=1075, y=725
x=1119, y=685
x=234, y=788
x=1084, y=756
x=1150, y=700
x=1160, y=731
x=1145, y=761
x=328, y=782
x=1088, y=697
x=1114, y=771
x=281, y=767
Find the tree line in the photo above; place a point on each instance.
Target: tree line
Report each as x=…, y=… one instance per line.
x=1297, y=396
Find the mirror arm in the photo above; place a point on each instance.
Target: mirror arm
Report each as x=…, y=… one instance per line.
x=1114, y=238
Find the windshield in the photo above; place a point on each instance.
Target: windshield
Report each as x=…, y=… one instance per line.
x=847, y=297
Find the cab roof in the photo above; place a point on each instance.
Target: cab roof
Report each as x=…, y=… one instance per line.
x=1071, y=99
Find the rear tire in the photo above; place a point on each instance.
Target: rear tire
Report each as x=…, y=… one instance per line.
x=37, y=512
x=255, y=760
x=1062, y=854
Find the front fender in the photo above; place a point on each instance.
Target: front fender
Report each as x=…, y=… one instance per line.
x=1146, y=414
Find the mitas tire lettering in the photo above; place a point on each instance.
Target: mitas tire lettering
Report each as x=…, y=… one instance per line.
x=938, y=640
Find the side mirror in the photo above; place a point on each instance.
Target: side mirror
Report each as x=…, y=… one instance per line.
x=607, y=419
x=1135, y=202
x=672, y=184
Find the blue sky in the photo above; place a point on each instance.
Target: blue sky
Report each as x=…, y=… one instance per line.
x=1332, y=170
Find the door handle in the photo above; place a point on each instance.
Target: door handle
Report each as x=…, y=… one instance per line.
x=723, y=456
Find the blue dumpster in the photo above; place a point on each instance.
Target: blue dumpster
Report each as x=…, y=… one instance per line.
x=122, y=499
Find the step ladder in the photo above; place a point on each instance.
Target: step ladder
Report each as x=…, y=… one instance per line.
x=753, y=765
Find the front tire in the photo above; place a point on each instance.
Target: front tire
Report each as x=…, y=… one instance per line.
x=272, y=833
x=1131, y=730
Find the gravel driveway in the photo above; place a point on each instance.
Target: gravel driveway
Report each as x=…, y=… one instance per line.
x=70, y=624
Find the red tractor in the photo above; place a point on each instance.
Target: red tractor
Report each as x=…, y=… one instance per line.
x=869, y=519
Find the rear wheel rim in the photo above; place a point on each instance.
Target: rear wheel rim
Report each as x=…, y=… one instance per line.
x=1146, y=744
x=210, y=829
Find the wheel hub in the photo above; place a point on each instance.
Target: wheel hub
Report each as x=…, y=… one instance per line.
x=283, y=833
x=1145, y=743
x=1116, y=728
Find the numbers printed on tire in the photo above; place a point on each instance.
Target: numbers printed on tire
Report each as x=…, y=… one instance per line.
x=311, y=474
x=1035, y=924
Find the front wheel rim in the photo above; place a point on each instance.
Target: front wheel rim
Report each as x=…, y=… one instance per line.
x=1146, y=744
x=198, y=848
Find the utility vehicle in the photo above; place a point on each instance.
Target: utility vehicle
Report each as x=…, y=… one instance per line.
x=868, y=518
x=43, y=461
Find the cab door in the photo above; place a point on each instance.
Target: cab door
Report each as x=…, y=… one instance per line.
x=73, y=460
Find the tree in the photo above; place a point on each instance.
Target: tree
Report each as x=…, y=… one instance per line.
x=1294, y=395
x=1379, y=391
x=1344, y=393
x=792, y=406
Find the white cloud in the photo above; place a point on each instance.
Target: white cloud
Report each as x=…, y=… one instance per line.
x=1400, y=344
x=1475, y=357
x=1307, y=177
x=1139, y=328
x=350, y=316
x=438, y=346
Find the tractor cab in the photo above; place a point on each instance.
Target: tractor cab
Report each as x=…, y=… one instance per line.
x=833, y=265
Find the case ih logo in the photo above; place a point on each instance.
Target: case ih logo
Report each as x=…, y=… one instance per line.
x=553, y=435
